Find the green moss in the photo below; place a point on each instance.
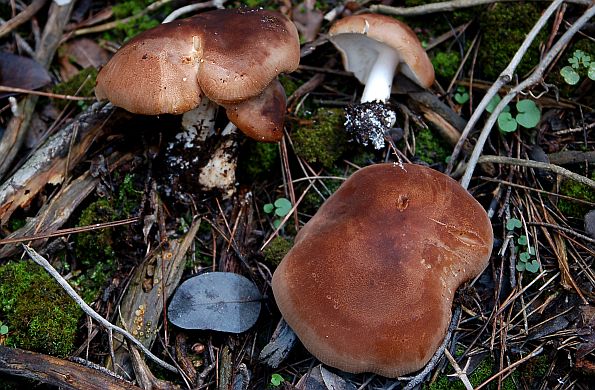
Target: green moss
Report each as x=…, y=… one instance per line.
x=276, y=250
x=504, y=27
x=39, y=314
x=429, y=147
x=94, y=249
x=579, y=191
x=290, y=84
x=82, y=84
x=323, y=142
x=446, y=63
x=125, y=31
x=480, y=374
x=258, y=159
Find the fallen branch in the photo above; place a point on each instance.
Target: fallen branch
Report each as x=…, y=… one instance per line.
x=535, y=77
x=539, y=165
x=57, y=372
x=92, y=313
x=444, y=6
x=504, y=78
x=22, y=17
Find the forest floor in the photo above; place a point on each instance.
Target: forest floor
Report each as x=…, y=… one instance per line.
x=91, y=188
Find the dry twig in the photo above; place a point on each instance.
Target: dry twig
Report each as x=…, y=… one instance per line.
x=531, y=80
x=40, y=260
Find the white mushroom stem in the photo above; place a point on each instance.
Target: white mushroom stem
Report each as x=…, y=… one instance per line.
x=380, y=79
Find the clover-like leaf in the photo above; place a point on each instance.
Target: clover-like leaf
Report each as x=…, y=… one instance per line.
x=506, y=122
x=528, y=113
x=532, y=266
x=531, y=250
x=520, y=267
x=570, y=75
x=276, y=380
x=493, y=103
x=3, y=330
x=574, y=61
x=522, y=240
x=524, y=257
x=461, y=96
x=591, y=71
x=513, y=223
x=282, y=207
x=268, y=208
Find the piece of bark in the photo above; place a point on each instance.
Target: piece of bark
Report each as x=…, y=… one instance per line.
x=58, y=209
x=50, y=163
x=142, y=305
x=57, y=372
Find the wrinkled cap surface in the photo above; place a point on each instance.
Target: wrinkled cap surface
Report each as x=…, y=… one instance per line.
x=360, y=38
x=261, y=117
x=369, y=283
x=227, y=55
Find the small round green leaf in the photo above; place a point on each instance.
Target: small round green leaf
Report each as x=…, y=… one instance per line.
x=268, y=208
x=570, y=75
x=461, y=96
x=283, y=206
x=506, y=122
x=493, y=103
x=529, y=114
x=524, y=257
x=513, y=223
x=591, y=71
x=532, y=266
x=3, y=330
x=520, y=267
x=522, y=240
x=276, y=380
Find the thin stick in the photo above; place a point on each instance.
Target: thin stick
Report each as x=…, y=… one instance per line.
x=536, y=164
x=459, y=373
x=442, y=7
x=535, y=77
x=40, y=93
x=417, y=379
x=564, y=229
x=22, y=17
x=534, y=353
x=504, y=78
x=89, y=311
x=191, y=8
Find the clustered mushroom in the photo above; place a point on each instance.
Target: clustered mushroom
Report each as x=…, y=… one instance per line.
x=369, y=283
x=231, y=56
x=374, y=47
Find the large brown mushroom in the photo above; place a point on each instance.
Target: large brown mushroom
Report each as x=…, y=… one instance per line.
x=229, y=56
x=369, y=284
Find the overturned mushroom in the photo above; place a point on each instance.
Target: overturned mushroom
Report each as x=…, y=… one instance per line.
x=229, y=56
x=369, y=284
x=374, y=47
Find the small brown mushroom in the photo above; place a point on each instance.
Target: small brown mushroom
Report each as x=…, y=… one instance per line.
x=374, y=47
x=369, y=284
x=261, y=117
x=229, y=56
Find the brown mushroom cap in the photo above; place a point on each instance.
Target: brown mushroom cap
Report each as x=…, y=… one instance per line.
x=263, y=116
x=360, y=37
x=228, y=55
x=369, y=283
x=155, y=72
x=245, y=50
